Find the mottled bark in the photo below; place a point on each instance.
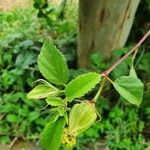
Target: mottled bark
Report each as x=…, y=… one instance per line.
x=104, y=25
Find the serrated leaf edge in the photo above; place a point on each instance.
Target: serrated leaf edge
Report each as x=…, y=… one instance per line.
x=77, y=78
x=60, y=82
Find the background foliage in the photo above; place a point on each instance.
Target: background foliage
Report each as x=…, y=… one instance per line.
x=22, y=33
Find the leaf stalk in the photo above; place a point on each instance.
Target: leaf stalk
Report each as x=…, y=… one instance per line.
x=100, y=90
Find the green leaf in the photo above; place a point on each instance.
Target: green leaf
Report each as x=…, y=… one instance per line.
x=12, y=118
x=133, y=72
x=52, y=134
x=54, y=116
x=120, y=70
x=81, y=85
x=61, y=110
x=145, y=63
x=52, y=64
x=130, y=88
x=81, y=117
x=33, y=116
x=55, y=101
x=42, y=91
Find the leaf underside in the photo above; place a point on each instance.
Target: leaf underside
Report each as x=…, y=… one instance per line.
x=81, y=117
x=133, y=72
x=42, y=91
x=130, y=88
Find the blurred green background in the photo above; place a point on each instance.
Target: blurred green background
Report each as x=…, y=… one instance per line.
x=23, y=29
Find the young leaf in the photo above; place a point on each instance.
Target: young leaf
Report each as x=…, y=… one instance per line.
x=81, y=85
x=81, y=117
x=42, y=91
x=130, y=88
x=133, y=72
x=52, y=134
x=55, y=101
x=60, y=109
x=54, y=116
x=52, y=64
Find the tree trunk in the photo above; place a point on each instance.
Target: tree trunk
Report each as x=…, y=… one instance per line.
x=104, y=25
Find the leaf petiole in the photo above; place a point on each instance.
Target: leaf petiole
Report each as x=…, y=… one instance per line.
x=109, y=80
x=100, y=90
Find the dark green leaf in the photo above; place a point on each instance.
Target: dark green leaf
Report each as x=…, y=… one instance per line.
x=120, y=70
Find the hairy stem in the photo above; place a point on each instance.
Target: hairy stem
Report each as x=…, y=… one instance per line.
x=108, y=71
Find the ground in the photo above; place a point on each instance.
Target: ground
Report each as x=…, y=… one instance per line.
x=6, y=5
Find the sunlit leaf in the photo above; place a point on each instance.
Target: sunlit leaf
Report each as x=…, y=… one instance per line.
x=81, y=85
x=133, y=72
x=52, y=64
x=54, y=101
x=42, y=91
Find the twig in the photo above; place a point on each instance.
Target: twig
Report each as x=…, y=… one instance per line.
x=13, y=142
x=100, y=90
x=108, y=71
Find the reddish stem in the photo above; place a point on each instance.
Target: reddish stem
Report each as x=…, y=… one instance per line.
x=108, y=71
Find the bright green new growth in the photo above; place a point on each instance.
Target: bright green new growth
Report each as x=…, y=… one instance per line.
x=130, y=88
x=55, y=101
x=81, y=85
x=42, y=91
x=52, y=64
x=81, y=117
x=133, y=73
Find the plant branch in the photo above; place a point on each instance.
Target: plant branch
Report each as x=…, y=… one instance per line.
x=108, y=71
x=100, y=90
